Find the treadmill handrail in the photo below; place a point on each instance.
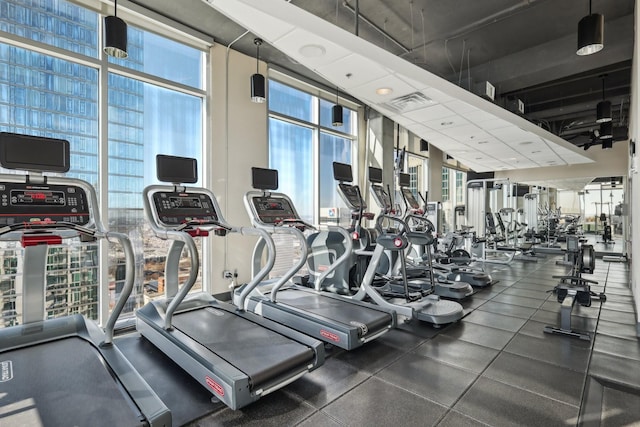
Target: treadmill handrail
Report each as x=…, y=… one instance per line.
x=271, y=260
x=348, y=252
x=94, y=228
x=190, y=243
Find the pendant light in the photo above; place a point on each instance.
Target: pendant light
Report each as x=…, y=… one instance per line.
x=603, y=109
x=258, y=87
x=590, y=33
x=606, y=130
x=115, y=35
x=336, y=113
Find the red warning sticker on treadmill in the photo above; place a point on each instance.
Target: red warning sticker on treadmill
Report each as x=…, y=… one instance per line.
x=217, y=388
x=330, y=335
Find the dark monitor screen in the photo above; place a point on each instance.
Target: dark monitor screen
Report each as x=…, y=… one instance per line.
x=34, y=153
x=381, y=197
x=264, y=179
x=174, y=169
x=375, y=175
x=410, y=198
x=342, y=172
x=405, y=180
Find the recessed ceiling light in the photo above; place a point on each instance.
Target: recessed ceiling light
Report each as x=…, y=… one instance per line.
x=384, y=91
x=478, y=158
x=312, y=51
x=535, y=152
x=483, y=142
x=526, y=142
x=446, y=123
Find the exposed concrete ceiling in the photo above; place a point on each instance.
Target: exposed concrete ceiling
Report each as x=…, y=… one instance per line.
x=526, y=49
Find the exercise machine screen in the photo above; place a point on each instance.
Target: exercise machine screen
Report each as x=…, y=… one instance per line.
x=176, y=208
x=353, y=197
x=375, y=175
x=382, y=196
x=411, y=200
x=273, y=210
x=264, y=179
x=37, y=153
x=27, y=203
x=405, y=180
x=342, y=172
x=183, y=170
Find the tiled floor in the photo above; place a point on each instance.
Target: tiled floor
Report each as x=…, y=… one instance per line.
x=496, y=367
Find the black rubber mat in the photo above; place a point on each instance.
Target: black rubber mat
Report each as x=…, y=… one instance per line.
x=335, y=310
x=258, y=352
x=61, y=383
x=183, y=395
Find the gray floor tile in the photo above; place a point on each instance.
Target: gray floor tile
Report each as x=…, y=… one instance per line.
x=620, y=408
x=456, y=419
x=618, y=317
x=459, y=353
x=327, y=383
x=499, y=404
x=554, y=349
x=620, y=347
x=371, y=357
x=617, y=329
x=615, y=369
x=508, y=309
x=538, y=377
x=378, y=403
x=478, y=334
x=619, y=306
x=498, y=321
x=529, y=293
x=276, y=409
x=320, y=419
x=428, y=378
x=515, y=300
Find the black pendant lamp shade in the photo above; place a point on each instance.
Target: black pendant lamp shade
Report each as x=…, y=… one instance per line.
x=590, y=33
x=258, y=84
x=115, y=35
x=606, y=130
x=336, y=113
x=603, y=111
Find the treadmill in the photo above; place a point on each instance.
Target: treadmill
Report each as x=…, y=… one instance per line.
x=235, y=354
x=64, y=370
x=342, y=322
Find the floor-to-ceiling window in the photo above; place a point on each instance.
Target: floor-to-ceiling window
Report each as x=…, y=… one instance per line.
x=303, y=144
x=154, y=103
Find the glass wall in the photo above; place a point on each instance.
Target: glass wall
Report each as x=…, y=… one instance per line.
x=58, y=95
x=453, y=194
x=303, y=145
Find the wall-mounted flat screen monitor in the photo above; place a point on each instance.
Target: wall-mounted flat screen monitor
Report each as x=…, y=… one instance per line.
x=34, y=153
x=342, y=172
x=405, y=180
x=375, y=175
x=183, y=170
x=264, y=179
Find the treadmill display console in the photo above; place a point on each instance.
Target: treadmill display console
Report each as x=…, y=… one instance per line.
x=273, y=210
x=174, y=208
x=351, y=194
x=22, y=202
x=411, y=200
x=382, y=197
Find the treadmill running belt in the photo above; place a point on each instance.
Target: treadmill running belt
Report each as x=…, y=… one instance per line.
x=258, y=352
x=62, y=383
x=335, y=310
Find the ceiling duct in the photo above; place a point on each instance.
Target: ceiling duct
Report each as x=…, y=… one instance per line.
x=406, y=103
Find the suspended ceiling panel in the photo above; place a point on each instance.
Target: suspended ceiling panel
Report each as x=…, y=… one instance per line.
x=476, y=132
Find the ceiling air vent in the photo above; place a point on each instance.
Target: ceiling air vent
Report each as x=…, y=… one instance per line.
x=406, y=103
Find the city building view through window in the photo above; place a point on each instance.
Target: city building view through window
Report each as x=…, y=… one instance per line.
x=57, y=95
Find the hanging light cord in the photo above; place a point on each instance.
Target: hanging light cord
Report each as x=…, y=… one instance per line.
x=337, y=90
x=257, y=56
x=115, y=7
